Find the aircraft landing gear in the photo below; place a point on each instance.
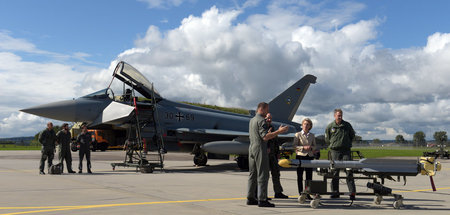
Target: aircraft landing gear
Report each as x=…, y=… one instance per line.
x=242, y=162
x=200, y=159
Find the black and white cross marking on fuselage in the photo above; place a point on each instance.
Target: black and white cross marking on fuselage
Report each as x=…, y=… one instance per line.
x=179, y=116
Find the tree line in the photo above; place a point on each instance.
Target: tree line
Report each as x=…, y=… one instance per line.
x=440, y=137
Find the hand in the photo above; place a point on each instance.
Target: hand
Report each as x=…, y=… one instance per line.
x=283, y=128
x=306, y=148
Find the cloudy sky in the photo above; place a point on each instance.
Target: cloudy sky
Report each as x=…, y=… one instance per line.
x=385, y=63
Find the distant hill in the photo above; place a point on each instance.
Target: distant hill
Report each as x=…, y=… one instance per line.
x=16, y=140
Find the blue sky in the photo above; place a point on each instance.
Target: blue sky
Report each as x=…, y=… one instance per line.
x=379, y=51
x=103, y=28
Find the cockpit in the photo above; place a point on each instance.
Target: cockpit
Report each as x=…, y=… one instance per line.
x=101, y=94
x=138, y=86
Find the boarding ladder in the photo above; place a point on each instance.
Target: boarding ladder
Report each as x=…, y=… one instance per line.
x=144, y=154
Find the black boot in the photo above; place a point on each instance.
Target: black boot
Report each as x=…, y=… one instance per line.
x=265, y=204
x=281, y=196
x=252, y=202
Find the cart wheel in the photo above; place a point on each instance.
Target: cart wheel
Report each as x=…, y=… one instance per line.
x=400, y=201
x=146, y=169
x=315, y=203
x=302, y=199
x=378, y=200
x=396, y=204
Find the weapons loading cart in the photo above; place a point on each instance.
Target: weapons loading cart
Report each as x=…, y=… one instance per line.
x=370, y=169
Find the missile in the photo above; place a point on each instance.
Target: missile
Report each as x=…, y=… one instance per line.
x=226, y=147
x=425, y=166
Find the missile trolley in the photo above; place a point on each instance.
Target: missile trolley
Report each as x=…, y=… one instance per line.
x=368, y=169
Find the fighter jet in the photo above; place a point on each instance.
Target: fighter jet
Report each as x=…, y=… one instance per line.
x=159, y=119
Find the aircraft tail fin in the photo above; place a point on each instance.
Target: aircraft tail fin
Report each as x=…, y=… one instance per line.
x=284, y=106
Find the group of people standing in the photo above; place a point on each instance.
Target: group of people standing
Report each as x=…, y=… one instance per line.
x=264, y=154
x=49, y=140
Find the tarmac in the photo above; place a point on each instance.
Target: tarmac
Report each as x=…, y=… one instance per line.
x=182, y=188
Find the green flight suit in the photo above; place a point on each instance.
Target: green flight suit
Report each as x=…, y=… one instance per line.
x=47, y=139
x=258, y=159
x=339, y=139
x=64, y=153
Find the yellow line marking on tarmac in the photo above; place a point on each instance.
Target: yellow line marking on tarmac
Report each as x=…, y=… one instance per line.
x=62, y=208
x=65, y=208
x=411, y=191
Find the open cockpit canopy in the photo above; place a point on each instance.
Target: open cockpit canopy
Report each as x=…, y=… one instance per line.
x=133, y=78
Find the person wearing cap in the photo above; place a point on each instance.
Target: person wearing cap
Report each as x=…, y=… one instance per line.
x=47, y=139
x=84, y=140
x=63, y=141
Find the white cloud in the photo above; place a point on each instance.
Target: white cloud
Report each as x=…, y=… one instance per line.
x=242, y=63
x=25, y=83
x=8, y=43
x=215, y=58
x=163, y=3
x=17, y=124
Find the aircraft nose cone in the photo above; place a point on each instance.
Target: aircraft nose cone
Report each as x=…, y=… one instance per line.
x=62, y=110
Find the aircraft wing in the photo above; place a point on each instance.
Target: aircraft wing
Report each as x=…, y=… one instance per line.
x=223, y=132
x=213, y=132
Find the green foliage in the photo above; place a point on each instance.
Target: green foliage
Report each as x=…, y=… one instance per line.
x=419, y=138
x=376, y=140
x=379, y=152
x=440, y=136
x=16, y=147
x=358, y=139
x=399, y=139
x=226, y=109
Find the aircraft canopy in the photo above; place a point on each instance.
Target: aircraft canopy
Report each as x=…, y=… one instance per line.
x=133, y=78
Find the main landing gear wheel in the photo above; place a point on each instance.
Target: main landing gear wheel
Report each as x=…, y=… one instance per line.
x=200, y=159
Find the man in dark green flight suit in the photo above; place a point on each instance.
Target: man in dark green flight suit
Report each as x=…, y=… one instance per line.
x=339, y=135
x=274, y=151
x=84, y=140
x=258, y=159
x=47, y=139
x=63, y=140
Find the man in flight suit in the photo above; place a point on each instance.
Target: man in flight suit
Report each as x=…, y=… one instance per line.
x=47, y=139
x=258, y=158
x=84, y=140
x=274, y=151
x=339, y=135
x=63, y=141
